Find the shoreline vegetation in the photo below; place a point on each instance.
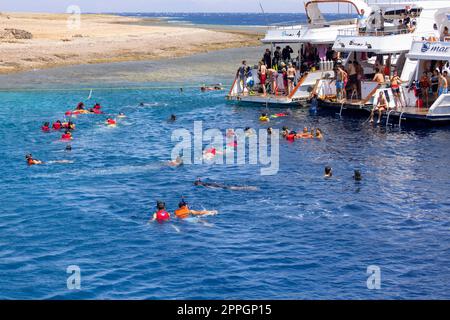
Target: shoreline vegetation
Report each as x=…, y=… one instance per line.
x=104, y=38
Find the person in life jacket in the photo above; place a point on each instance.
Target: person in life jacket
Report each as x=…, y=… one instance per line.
x=111, y=122
x=67, y=135
x=46, y=127
x=184, y=212
x=31, y=161
x=291, y=136
x=68, y=125
x=57, y=125
x=161, y=215
x=305, y=134
x=97, y=106
x=264, y=117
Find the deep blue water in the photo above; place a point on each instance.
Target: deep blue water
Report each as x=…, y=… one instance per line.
x=301, y=236
x=232, y=19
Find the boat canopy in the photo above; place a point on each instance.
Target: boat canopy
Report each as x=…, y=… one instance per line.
x=315, y=16
x=426, y=50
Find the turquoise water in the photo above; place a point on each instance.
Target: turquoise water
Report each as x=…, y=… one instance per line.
x=300, y=236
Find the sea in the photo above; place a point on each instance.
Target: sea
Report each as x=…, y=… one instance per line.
x=77, y=227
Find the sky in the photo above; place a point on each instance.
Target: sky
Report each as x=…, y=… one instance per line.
x=153, y=5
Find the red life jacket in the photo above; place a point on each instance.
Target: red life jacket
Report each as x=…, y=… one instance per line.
x=162, y=215
x=45, y=129
x=66, y=136
x=290, y=137
x=56, y=126
x=111, y=121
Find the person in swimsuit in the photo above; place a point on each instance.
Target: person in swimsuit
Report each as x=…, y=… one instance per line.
x=443, y=84
x=340, y=83
x=290, y=78
x=435, y=83
x=395, y=87
x=380, y=107
x=379, y=77
x=263, y=76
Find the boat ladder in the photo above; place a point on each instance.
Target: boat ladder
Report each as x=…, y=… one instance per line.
x=400, y=118
x=342, y=108
x=388, y=116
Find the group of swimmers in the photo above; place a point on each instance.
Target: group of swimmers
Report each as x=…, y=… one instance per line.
x=161, y=215
x=291, y=135
x=328, y=173
x=68, y=127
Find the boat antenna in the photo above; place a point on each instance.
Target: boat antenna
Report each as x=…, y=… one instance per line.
x=264, y=14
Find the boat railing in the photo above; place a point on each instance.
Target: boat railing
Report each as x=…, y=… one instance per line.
x=296, y=25
x=431, y=37
x=356, y=32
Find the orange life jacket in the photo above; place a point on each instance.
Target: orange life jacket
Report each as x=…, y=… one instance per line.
x=183, y=212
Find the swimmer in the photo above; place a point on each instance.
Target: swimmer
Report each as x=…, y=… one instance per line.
x=319, y=134
x=357, y=175
x=230, y=133
x=172, y=118
x=80, y=106
x=284, y=131
x=213, y=185
x=181, y=90
x=57, y=125
x=184, y=212
x=328, y=172
x=68, y=125
x=264, y=117
x=269, y=131
x=305, y=134
x=161, y=215
x=69, y=147
x=111, y=122
x=46, y=127
x=31, y=161
x=176, y=163
x=97, y=106
x=67, y=135
x=291, y=136
x=141, y=104
x=121, y=115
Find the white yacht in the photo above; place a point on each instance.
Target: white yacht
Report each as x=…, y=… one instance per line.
x=387, y=41
x=318, y=34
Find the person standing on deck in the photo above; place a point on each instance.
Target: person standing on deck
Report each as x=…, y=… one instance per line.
x=263, y=76
x=291, y=78
x=443, y=85
x=276, y=58
x=339, y=83
x=359, y=77
x=362, y=22
x=395, y=87
x=241, y=76
x=267, y=58
x=286, y=54
x=425, y=86
x=379, y=77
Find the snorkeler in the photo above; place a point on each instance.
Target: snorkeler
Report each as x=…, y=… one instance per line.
x=172, y=118
x=67, y=135
x=284, y=131
x=80, y=106
x=328, y=172
x=31, y=161
x=121, y=115
x=110, y=122
x=161, y=215
x=357, y=175
x=69, y=147
x=46, y=127
x=269, y=131
x=57, y=125
x=214, y=185
x=97, y=106
x=264, y=117
x=184, y=212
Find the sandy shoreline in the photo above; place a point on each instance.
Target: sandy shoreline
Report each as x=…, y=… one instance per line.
x=104, y=38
